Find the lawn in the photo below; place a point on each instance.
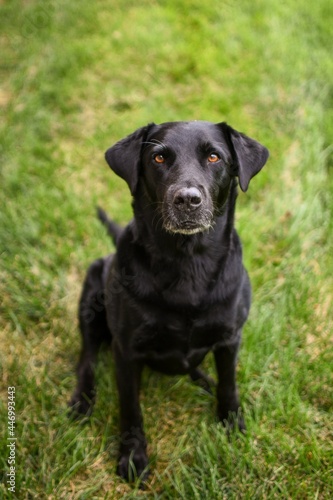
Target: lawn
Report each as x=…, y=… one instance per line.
x=75, y=78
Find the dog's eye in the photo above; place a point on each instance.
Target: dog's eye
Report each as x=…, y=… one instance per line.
x=213, y=158
x=159, y=158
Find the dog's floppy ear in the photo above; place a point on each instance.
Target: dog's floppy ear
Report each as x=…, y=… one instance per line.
x=124, y=158
x=249, y=156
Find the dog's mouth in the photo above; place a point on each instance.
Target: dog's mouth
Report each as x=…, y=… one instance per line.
x=184, y=230
x=174, y=225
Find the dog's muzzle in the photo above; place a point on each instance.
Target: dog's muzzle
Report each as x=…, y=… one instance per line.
x=187, y=210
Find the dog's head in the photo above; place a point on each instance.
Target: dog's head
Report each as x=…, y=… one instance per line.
x=186, y=169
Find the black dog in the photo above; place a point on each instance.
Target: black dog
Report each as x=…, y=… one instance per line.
x=176, y=287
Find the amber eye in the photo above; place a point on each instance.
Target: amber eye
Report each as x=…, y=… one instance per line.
x=159, y=158
x=213, y=158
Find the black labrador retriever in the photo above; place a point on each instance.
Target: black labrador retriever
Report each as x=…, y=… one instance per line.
x=176, y=287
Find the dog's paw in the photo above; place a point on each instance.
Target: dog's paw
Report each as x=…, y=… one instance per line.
x=204, y=381
x=133, y=465
x=80, y=406
x=232, y=421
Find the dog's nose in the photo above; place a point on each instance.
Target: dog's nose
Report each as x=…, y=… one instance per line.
x=187, y=198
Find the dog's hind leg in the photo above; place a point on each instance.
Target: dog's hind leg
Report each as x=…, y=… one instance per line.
x=205, y=381
x=95, y=332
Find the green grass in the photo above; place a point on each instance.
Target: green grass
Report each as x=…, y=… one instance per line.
x=77, y=76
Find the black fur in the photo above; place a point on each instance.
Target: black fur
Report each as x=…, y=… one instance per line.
x=176, y=287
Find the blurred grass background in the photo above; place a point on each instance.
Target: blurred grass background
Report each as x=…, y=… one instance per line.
x=75, y=78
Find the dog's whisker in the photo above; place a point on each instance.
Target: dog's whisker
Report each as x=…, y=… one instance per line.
x=152, y=204
x=159, y=217
x=155, y=142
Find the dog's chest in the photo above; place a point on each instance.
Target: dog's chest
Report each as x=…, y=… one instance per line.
x=175, y=343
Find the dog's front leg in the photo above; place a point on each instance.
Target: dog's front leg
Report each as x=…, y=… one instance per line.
x=228, y=406
x=132, y=453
